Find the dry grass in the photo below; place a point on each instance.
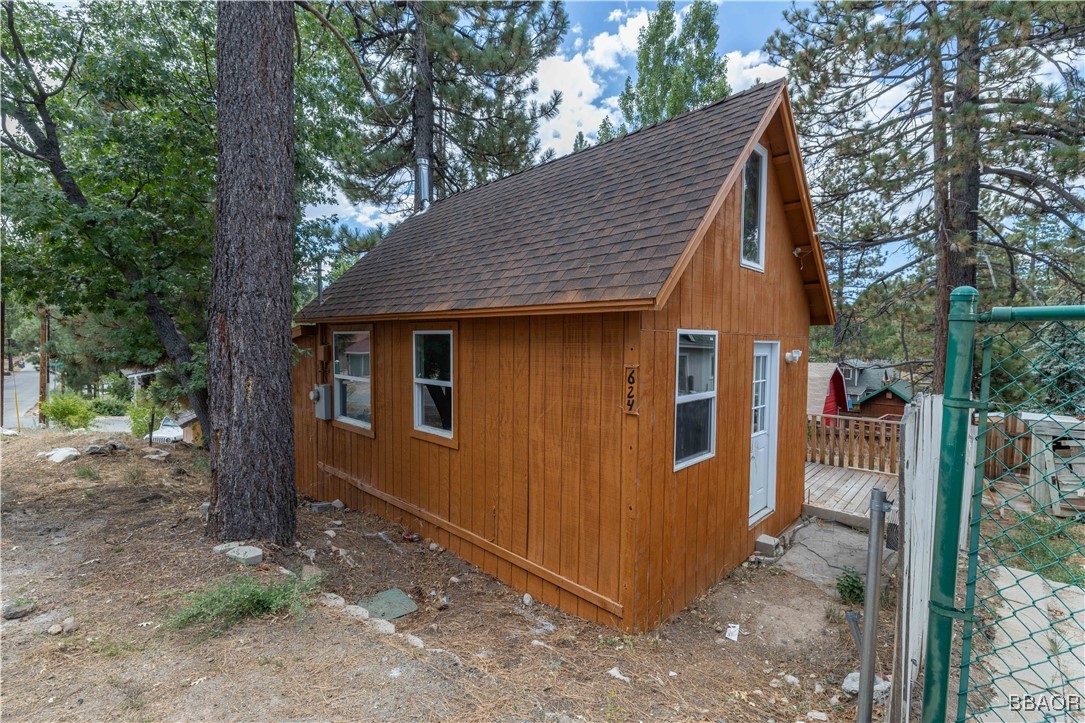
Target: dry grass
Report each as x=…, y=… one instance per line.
x=120, y=552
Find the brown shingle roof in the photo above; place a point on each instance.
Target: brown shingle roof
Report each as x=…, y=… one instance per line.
x=607, y=224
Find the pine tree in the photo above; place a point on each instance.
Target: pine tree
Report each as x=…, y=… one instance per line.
x=676, y=72
x=451, y=86
x=606, y=131
x=1059, y=352
x=580, y=142
x=936, y=111
x=253, y=494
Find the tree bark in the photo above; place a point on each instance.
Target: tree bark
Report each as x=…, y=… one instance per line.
x=422, y=103
x=249, y=348
x=957, y=233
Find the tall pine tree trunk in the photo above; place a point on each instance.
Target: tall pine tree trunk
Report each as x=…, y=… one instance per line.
x=957, y=221
x=422, y=103
x=249, y=347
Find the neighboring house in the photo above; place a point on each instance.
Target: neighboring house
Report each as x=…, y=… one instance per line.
x=862, y=377
x=581, y=377
x=825, y=390
x=886, y=401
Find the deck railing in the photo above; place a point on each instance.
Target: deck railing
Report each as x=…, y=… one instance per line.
x=855, y=442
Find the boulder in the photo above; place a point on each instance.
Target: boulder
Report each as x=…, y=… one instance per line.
x=15, y=610
x=61, y=454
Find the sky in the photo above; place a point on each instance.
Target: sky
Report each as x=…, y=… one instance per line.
x=597, y=54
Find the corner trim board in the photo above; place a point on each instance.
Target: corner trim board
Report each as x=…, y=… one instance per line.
x=550, y=576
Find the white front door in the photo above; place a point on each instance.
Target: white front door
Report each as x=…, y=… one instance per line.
x=766, y=366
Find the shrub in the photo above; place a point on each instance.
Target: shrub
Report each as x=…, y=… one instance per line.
x=109, y=407
x=69, y=411
x=118, y=387
x=230, y=601
x=850, y=586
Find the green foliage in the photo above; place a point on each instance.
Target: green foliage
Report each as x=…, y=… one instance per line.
x=606, y=131
x=580, y=142
x=117, y=386
x=228, y=602
x=156, y=398
x=1044, y=544
x=676, y=71
x=109, y=407
x=849, y=586
x=85, y=472
x=482, y=123
x=69, y=411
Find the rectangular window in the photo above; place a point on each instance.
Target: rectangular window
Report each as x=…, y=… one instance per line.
x=753, y=209
x=695, y=398
x=433, y=382
x=353, y=389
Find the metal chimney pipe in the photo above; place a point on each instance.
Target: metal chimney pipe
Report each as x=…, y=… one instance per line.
x=422, y=185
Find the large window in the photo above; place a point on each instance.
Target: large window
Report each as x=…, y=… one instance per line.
x=695, y=398
x=753, y=210
x=433, y=382
x=353, y=390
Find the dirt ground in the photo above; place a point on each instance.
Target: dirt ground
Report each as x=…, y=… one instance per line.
x=114, y=541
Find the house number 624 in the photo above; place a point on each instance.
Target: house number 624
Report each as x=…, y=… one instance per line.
x=631, y=389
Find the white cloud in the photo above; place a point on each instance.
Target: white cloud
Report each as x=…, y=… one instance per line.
x=607, y=50
x=580, y=109
x=365, y=215
x=747, y=69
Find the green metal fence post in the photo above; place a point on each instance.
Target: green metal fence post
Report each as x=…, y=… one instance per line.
x=947, y=516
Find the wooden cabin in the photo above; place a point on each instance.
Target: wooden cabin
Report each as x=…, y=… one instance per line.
x=825, y=390
x=887, y=401
x=588, y=378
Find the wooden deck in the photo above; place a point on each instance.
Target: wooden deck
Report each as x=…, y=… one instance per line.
x=841, y=494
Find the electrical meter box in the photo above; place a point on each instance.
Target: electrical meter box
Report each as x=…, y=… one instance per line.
x=322, y=400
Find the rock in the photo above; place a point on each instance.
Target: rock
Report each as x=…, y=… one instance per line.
x=98, y=449
x=330, y=599
x=528, y=600
x=337, y=523
x=16, y=610
x=284, y=571
x=225, y=547
x=615, y=673
x=356, y=611
x=434, y=547
x=55, y=630
x=881, y=687
x=719, y=628
x=414, y=641
x=792, y=680
x=68, y=625
x=817, y=715
x=834, y=701
x=819, y=688
x=329, y=533
x=205, y=510
x=775, y=683
x=380, y=626
x=720, y=641
x=10, y=432
x=156, y=455
x=61, y=454
x=454, y=580
x=320, y=506
x=246, y=555
x=338, y=504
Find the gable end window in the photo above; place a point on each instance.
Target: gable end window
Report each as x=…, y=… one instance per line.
x=695, y=398
x=353, y=389
x=754, y=179
x=433, y=382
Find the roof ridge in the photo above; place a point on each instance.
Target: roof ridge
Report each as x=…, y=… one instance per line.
x=630, y=134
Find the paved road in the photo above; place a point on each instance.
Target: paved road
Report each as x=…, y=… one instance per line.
x=24, y=383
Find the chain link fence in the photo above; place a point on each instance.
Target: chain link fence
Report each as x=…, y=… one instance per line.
x=1021, y=652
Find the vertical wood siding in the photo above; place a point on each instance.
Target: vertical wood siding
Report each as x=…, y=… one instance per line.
x=692, y=527
x=551, y=485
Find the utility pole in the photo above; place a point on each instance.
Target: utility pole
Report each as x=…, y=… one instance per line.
x=43, y=363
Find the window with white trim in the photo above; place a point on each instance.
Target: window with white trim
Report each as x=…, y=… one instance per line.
x=433, y=382
x=754, y=177
x=353, y=389
x=695, y=397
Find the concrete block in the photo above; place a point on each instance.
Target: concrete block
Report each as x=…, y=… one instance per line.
x=246, y=555
x=766, y=544
x=225, y=547
x=320, y=507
